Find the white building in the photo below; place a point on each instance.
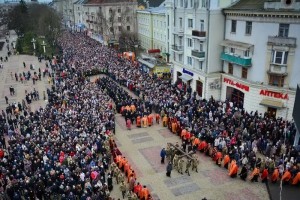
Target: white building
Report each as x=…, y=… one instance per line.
x=152, y=31
x=196, y=29
x=261, y=55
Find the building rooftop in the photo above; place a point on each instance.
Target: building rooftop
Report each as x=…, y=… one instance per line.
x=257, y=5
x=108, y=1
x=152, y=3
x=160, y=10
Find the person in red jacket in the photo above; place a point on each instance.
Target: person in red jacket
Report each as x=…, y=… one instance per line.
x=264, y=175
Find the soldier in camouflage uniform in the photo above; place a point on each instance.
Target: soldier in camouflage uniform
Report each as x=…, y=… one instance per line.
x=168, y=152
x=175, y=161
x=123, y=189
x=117, y=175
x=187, y=166
x=195, y=163
x=121, y=177
x=180, y=166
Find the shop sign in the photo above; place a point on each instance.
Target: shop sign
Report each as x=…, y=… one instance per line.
x=187, y=72
x=277, y=95
x=237, y=84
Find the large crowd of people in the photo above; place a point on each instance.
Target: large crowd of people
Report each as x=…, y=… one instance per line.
x=67, y=148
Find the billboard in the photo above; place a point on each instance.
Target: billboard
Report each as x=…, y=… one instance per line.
x=296, y=111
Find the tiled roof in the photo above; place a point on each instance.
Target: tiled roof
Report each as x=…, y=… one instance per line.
x=249, y=5
x=152, y=3
x=108, y=1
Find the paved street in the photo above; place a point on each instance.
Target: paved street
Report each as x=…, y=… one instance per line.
x=142, y=148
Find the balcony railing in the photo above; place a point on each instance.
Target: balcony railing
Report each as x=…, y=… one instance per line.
x=286, y=41
x=196, y=33
x=178, y=30
x=198, y=54
x=177, y=47
x=245, y=62
x=278, y=69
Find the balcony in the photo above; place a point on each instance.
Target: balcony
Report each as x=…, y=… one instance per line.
x=276, y=69
x=88, y=21
x=198, y=34
x=178, y=48
x=178, y=31
x=198, y=54
x=245, y=62
x=282, y=41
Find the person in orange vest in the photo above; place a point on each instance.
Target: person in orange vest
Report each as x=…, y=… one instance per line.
x=231, y=164
x=183, y=133
x=202, y=146
x=233, y=170
x=196, y=142
x=174, y=127
x=264, y=175
x=138, y=121
x=275, y=175
x=137, y=189
x=226, y=161
x=254, y=175
x=157, y=117
x=218, y=158
x=144, y=193
x=150, y=120
x=165, y=121
x=296, y=179
x=286, y=176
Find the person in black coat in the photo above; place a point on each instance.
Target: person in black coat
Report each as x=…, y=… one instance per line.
x=244, y=172
x=169, y=169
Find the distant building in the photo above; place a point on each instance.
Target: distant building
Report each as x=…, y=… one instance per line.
x=152, y=31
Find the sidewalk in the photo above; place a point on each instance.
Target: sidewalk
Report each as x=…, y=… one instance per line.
x=15, y=65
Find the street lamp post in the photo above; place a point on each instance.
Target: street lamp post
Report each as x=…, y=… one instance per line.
x=44, y=46
x=33, y=42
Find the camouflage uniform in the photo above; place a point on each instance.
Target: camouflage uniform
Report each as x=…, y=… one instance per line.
x=180, y=166
x=195, y=164
x=187, y=167
x=175, y=161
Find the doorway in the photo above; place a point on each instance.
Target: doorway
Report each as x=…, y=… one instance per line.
x=236, y=96
x=199, y=88
x=272, y=112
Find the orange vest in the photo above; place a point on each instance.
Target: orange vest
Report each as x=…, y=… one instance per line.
x=286, y=176
x=275, y=175
x=296, y=179
x=233, y=169
x=138, y=121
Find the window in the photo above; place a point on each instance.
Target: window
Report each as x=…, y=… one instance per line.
x=180, y=57
x=120, y=28
x=110, y=11
x=191, y=3
x=233, y=26
x=119, y=10
x=111, y=29
x=201, y=46
x=248, y=28
x=201, y=25
x=181, y=3
x=186, y=3
x=244, y=73
x=276, y=80
x=246, y=53
x=283, y=30
x=230, y=68
x=190, y=42
x=119, y=19
x=280, y=57
x=128, y=28
x=180, y=22
x=232, y=50
x=127, y=19
x=190, y=23
x=203, y=4
x=189, y=60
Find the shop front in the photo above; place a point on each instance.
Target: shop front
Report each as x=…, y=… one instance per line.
x=184, y=79
x=272, y=101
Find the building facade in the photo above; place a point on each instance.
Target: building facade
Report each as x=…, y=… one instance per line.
x=261, y=55
x=152, y=30
x=105, y=19
x=196, y=28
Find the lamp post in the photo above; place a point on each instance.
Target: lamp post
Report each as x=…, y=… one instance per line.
x=44, y=46
x=33, y=42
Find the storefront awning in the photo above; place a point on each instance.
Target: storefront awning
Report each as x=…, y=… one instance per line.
x=148, y=64
x=271, y=103
x=185, y=78
x=235, y=44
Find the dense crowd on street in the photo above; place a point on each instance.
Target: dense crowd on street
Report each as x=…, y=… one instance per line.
x=67, y=149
